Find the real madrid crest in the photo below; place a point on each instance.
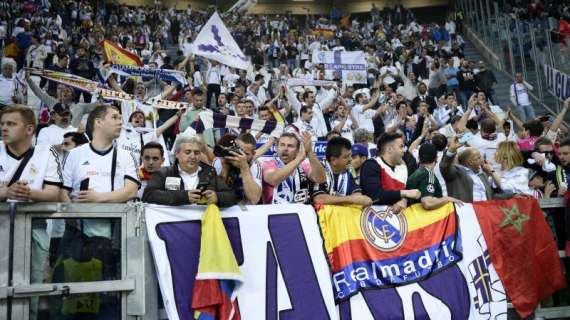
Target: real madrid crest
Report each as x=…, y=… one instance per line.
x=384, y=230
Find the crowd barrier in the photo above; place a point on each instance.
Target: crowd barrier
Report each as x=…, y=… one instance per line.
x=32, y=287
x=517, y=46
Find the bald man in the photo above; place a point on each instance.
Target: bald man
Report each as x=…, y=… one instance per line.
x=472, y=179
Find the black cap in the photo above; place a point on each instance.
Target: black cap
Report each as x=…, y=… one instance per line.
x=428, y=153
x=60, y=108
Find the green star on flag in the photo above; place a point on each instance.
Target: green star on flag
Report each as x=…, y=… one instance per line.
x=514, y=217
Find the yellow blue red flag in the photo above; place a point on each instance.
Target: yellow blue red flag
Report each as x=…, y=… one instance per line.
x=218, y=274
x=370, y=248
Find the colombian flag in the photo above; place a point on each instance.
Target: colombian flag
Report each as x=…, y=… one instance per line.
x=117, y=55
x=218, y=273
x=372, y=249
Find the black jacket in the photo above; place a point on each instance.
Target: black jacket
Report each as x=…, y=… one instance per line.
x=155, y=191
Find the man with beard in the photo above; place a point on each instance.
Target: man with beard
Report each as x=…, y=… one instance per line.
x=83, y=67
x=384, y=177
x=287, y=178
x=152, y=155
x=53, y=134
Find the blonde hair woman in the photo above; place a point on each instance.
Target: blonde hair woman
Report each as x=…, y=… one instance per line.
x=514, y=177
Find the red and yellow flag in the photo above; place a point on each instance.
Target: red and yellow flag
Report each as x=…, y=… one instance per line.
x=117, y=55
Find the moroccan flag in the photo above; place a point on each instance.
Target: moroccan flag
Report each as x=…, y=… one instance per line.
x=218, y=273
x=369, y=248
x=117, y=55
x=522, y=249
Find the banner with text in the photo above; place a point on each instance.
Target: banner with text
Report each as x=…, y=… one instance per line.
x=349, y=66
x=557, y=82
x=280, y=253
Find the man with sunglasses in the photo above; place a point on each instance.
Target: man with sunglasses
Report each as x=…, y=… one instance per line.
x=52, y=135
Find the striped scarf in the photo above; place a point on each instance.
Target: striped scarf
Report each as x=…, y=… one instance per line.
x=209, y=120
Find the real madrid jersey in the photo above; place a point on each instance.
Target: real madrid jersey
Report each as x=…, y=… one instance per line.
x=42, y=168
x=85, y=162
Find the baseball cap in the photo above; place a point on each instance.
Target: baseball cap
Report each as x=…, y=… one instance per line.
x=60, y=108
x=427, y=153
x=359, y=150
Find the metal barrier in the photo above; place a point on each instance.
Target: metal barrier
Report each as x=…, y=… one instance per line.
x=128, y=293
x=132, y=292
x=513, y=46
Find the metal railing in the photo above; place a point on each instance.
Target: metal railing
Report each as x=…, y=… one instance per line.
x=135, y=286
x=28, y=293
x=517, y=46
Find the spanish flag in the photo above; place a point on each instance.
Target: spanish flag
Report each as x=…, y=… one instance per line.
x=117, y=55
x=214, y=294
x=369, y=248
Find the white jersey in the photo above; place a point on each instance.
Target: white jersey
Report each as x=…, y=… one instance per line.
x=364, y=117
x=133, y=139
x=42, y=167
x=84, y=162
x=53, y=135
x=346, y=131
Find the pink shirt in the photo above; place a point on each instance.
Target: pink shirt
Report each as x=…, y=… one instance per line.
x=285, y=191
x=527, y=144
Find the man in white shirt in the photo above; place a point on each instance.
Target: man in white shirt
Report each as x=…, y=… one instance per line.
x=213, y=81
x=8, y=93
x=304, y=123
x=28, y=174
x=345, y=123
x=318, y=122
x=445, y=112
x=363, y=112
x=521, y=99
x=53, y=134
x=103, y=173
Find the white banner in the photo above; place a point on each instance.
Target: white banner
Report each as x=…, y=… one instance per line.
x=350, y=66
x=215, y=42
x=557, y=82
x=280, y=253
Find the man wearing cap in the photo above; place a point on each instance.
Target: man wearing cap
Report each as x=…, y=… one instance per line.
x=425, y=180
x=53, y=134
x=340, y=186
x=359, y=155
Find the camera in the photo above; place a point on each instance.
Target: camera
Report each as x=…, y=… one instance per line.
x=225, y=148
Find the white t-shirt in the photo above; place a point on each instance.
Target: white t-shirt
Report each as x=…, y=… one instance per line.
x=488, y=148
x=7, y=90
x=84, y=162
x=132, y=140
x=42, y=168
x=346, y=130
x=364, y=118
x=53, y=135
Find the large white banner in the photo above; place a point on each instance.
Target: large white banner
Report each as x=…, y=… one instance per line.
x=215, y=42
x=557, y=82
x=349, y=66
x=286, y=275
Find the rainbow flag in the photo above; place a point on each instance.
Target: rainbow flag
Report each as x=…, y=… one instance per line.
x=370, y=248
x=117, y=55
x=218, y=277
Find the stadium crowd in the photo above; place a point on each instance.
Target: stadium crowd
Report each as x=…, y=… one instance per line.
x=424, y=128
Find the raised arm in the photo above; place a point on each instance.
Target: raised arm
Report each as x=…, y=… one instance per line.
x=41, y=94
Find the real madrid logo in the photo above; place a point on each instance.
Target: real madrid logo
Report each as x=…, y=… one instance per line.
x=383, y=229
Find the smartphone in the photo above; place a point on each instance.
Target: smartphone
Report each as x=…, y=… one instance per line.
x=84, y=185
x=202, y=187
x=465, y=137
